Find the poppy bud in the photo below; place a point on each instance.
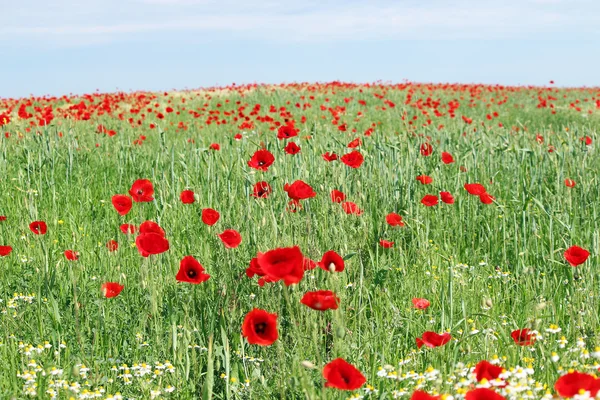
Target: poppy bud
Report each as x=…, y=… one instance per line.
x=487, y=303
x=308, y=365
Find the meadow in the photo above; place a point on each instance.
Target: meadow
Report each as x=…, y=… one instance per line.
x=306, y=241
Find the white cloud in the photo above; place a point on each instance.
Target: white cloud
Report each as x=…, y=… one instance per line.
x=300, y=21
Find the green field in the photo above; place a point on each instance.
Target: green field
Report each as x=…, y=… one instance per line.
x=486, y=269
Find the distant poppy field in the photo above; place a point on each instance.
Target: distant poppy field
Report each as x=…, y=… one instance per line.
x=301, y=241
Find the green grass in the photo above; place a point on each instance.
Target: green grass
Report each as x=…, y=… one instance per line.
x=494, y=268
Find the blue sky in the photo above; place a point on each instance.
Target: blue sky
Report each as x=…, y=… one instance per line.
x=78, y=46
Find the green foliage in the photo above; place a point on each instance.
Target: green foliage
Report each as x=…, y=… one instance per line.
x=488, y=269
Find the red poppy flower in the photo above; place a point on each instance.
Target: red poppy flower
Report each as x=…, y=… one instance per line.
x=487, y=370
x=330, y=156
x=424, y=179
x=337, y=196
x=447, y=197
x=486, y=198
x=332, y=262
x=142, y=191
x=447, y=158
x=286, y=263
x=587, y=140
x=569, y=183
x=355, y=143
x=386, y=244
x=483, y=394
x=523, y=337
x=420, y=395
x=572, y=383
x=128, y=229
x=341, y=375
x=261, y=190
x=286, y=131
x=238, y=136
x=292, y=148
x=122, y=203
x=38, y=227
x=576, y=255
x=261, y=160
x=151, y=243
x=351, y=208
x=5, y=250
x=420, y=304
x=4, y=119
x=321, y=300
x=2, y=218
x=215, y=146
x=112, y=245
x=309, y=264
x=353, y=159
x=187, y=197
x=299, y=190
x=594, y=388
x=429, y=200
x=475, y=189
x=151, y=227
x=254, y=269
x=426, y=149
x=230, y=238
x=260, y=327
x=191, y=271
x=432, y=339
x=210, y=216
x=539, y=139
x=111, y=289
x=394, y=219
x=71, y=255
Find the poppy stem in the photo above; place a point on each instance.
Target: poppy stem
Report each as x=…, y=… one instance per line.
x=75, y=305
